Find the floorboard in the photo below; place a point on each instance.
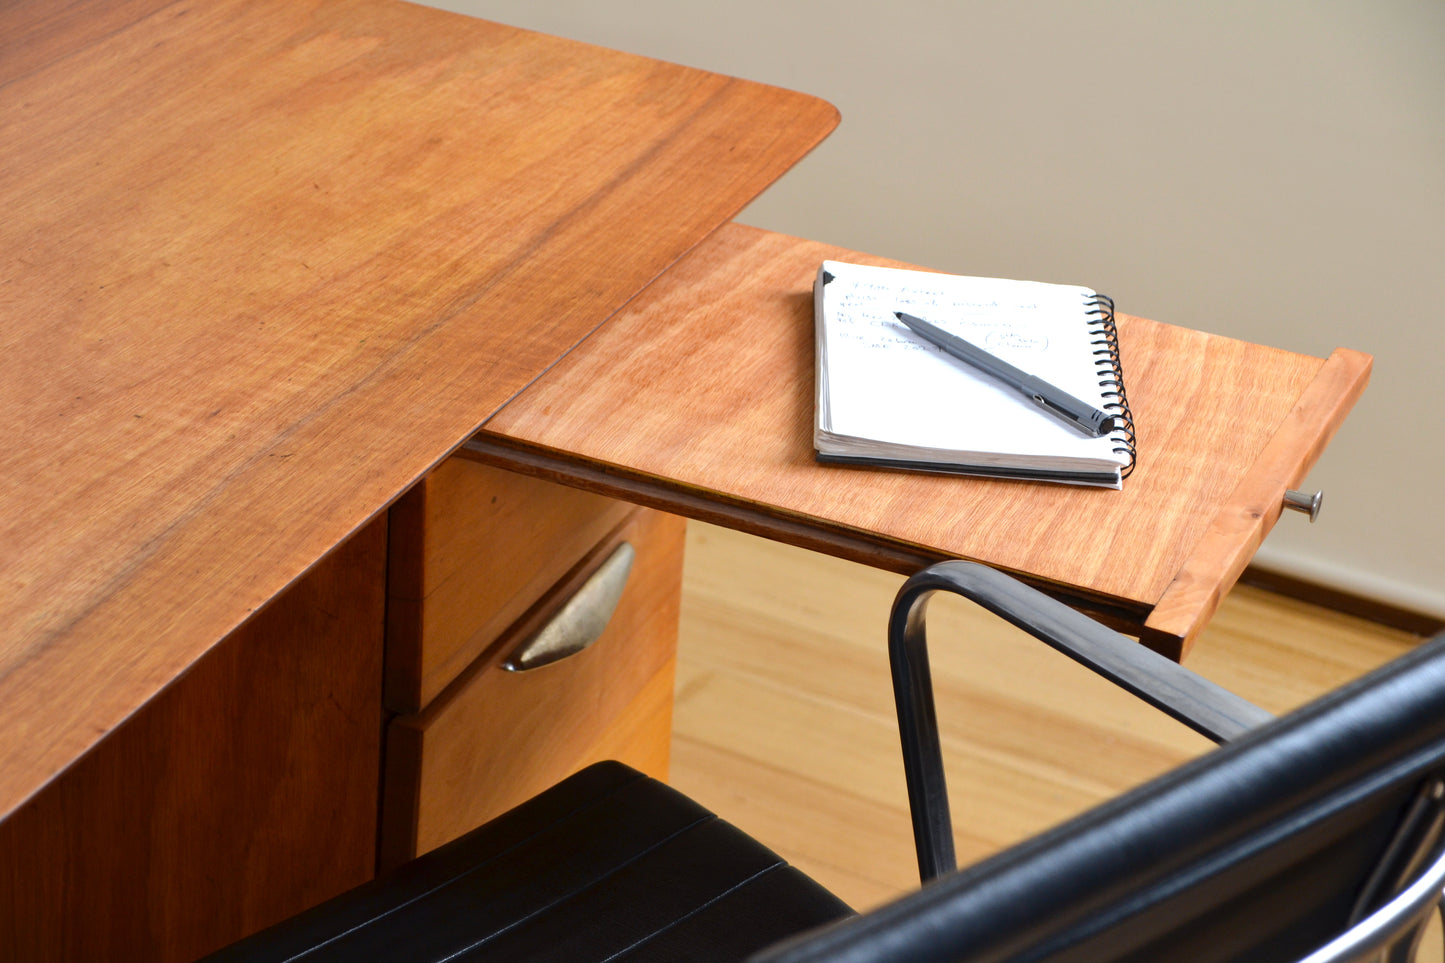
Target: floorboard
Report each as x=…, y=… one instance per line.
x=784, y=718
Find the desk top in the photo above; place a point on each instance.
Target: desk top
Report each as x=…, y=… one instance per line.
x=699, y=397
x=264, y=264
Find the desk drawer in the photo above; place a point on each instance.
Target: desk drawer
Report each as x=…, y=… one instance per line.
x=495, y=738
x=471, y=549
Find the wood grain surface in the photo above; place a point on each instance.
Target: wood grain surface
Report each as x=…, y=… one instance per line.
x=700, y=398
x=243, y=794
x=612, y=700
x=471, y=549
x=1234, y=534
x=264, y=265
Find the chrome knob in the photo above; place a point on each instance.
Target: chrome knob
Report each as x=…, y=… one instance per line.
x=1304, y=502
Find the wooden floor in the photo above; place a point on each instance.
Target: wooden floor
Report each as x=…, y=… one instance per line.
x=784, y=720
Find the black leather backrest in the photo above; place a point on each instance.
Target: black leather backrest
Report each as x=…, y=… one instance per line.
x=1256, y=851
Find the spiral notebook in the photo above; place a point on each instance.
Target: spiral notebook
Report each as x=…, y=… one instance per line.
x=888, y=399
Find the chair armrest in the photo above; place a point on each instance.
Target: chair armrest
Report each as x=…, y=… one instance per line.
x=1193, y=700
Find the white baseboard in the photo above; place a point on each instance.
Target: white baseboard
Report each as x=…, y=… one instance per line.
x=1353, y=581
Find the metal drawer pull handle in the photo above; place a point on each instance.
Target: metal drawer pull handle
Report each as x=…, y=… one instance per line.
x=1305, y=502
x=581, y=620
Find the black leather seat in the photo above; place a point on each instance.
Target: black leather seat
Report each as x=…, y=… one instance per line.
x=606, y=865
x=1319, y=833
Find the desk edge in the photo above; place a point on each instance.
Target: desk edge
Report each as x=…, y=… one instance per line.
x=1238, y=529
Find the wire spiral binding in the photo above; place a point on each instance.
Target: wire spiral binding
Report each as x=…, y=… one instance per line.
x=1106, y=354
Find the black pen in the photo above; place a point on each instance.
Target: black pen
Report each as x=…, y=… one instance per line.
x=1064, y=406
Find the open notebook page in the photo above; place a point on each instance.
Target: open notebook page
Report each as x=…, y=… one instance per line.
x=881, y=384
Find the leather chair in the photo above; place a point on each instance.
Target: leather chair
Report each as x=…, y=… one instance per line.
x=1317, y=836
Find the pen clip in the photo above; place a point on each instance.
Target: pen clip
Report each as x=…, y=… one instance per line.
x=1088, y=419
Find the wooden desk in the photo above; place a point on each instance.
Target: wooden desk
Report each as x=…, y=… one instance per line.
x=268, y=264
x=265, y=265
x=699, y=398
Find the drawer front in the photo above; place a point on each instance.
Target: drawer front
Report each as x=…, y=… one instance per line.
x=497, y=737
x=472, y=548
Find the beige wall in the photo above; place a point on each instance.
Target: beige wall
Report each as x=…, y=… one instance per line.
x=1268, y=170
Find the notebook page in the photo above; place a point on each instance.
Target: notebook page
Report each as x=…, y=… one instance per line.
x=888, y=385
